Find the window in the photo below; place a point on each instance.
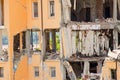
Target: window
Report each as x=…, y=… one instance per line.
x=52, y=13
x=1, y=72
x=35, y=9
x=113, y=74
x=53, y=72
x=88, y=14
x=36, y=71
x=93, y=67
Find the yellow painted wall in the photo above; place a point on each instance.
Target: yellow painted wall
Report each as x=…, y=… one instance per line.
x=17, y=16
x=51, y=22
x=6, y=70
x=22, y=70
x=16, y=22
x=33, y=22
x=35, y=62
x=106, y=70
x=52, y=63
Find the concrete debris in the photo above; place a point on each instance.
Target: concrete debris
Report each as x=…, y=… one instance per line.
x=4, y=56
x=70, y=70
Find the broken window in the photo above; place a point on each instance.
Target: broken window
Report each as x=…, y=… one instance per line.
x=80, y=11
x=35, y=40
x=118, y=39
x=52, y=41
x=23, y=40
x=35, y=9
x=78, y=68
x=36, y=71
x=88, y=15
x=16, y=43
x=113, y=74
x=1, y=72
x=52, y=71
x=108, y=9
x=107, y=12
x=52, y=10
x=93, y=67
x=118, y=10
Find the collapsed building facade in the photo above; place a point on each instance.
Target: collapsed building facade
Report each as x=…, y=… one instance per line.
x=73, y=36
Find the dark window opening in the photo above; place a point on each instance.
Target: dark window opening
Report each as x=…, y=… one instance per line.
x=113, y=74
x=108, y=9
x=88, y=14
x=111, y=39
x=78, y=68
x=118, y=39
x=24, y=40
x=73, y=17
x=52, y=11
x=35, y=9
x=93, y=67
x=36, y=71
x=52, y=41
x=81, y=11
x=17, y=43
x=1, y=72
x=107, y=12
x=53, y=72
x=2, y=12
x=118, y=12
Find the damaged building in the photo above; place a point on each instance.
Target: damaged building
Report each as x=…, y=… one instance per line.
x=91, y=29
x=61, y=39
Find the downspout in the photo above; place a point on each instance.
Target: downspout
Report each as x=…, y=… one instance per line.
x=42, y=52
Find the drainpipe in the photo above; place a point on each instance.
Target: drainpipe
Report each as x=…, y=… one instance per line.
x=42, y=50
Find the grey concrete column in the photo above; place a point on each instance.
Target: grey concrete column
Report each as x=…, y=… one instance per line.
x=43, y=51
x=115, y=10
x=99, y=67
x=74, y=42
x=28, y=42
x=115, y=39
x=86, y=70
x=54, y=40
x=61, y=45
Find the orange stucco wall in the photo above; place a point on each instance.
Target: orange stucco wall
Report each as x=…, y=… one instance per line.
x=54, y=21
x=17, y=22
x=22, y=70
x=52, y=63
x=35, y=62
x=33, y=22
x=6, y=70
x=106, y=70
x=19, y=17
